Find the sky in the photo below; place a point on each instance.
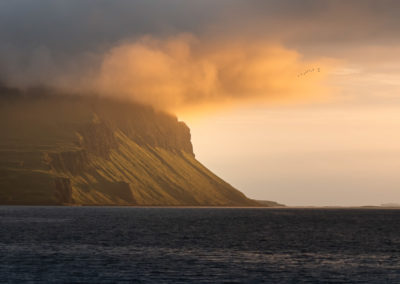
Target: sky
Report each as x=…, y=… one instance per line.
x=292, y=101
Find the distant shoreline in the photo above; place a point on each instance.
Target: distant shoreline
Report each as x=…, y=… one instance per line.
x=210, y=207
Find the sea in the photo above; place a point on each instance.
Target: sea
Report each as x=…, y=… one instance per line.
x=198, y=245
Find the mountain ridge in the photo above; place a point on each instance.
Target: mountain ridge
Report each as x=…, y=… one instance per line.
x=77, y=150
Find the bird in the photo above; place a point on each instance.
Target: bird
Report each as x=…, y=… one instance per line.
x=310, y=70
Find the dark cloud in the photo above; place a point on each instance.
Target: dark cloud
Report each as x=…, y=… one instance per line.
x=73, y=25
x=46, y=41
x=76, y=25
x=320, y=22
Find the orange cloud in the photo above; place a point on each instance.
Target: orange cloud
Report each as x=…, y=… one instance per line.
x=184, y=71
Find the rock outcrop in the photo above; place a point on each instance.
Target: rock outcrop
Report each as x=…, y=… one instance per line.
x=93, y=151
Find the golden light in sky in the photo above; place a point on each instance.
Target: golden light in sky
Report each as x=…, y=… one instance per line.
x=184, y=71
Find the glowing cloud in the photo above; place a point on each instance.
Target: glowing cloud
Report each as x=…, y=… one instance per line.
x=184, y=71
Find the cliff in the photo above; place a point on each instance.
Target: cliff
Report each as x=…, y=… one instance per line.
x=58, y=149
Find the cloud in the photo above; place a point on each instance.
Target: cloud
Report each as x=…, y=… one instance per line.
x=183, y=70
x=196, y=51
x=176, y=72
x=76, y=25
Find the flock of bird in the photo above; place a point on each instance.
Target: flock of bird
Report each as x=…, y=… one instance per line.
x=309, y=71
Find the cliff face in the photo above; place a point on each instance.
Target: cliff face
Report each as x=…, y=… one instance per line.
x=90, y=151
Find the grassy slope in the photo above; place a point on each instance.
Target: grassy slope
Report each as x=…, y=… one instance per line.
x=132, y=172
x=155, y=176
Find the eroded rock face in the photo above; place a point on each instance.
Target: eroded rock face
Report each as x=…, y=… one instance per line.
x=97, y=138
x=73, y=162
x=92, y=151
x=123, y=191
x=145, y=126
x=63, y=192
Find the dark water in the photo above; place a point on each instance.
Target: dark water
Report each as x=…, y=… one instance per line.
x=160, y=245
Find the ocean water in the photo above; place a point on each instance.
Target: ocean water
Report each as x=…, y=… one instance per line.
x=204, y=245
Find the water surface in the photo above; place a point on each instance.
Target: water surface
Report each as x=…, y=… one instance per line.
x=204, y=245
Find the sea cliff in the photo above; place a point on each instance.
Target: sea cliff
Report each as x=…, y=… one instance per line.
x=85, y=150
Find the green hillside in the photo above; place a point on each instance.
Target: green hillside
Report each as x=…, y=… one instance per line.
x=58, y=149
